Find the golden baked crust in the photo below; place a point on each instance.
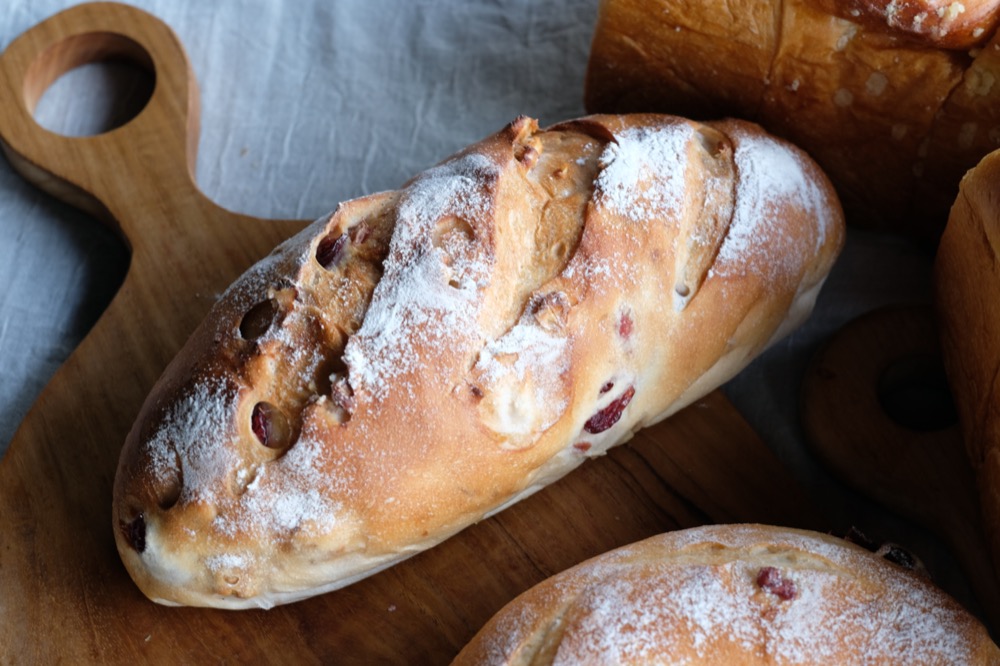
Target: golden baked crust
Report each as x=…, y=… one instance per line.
x=966, y=274
x=894, y=100
x=941, y=24
x=733, y=594
x=422, y=358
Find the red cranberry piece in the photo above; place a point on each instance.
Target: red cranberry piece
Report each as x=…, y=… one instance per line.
x=360, y=233
x=609, y=416
x=582, y=447
x=770, y=579
x=269, y=425
x=625, y=326
x=607, y=387
x=331, y=249
x=260, y=423
x=134, y=533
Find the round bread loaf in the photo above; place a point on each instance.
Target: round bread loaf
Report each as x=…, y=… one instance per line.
x=733, y=594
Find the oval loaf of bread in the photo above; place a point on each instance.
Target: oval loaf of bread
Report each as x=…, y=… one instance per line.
x=422, y=358
x=733, y=594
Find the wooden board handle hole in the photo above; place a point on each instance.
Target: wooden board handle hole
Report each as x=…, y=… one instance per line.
x=89, y=84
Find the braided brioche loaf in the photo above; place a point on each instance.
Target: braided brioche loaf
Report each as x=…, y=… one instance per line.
x=733, y=594
x=895, y=100
x=422, y=358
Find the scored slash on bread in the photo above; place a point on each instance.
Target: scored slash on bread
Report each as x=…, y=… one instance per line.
x=422, y=358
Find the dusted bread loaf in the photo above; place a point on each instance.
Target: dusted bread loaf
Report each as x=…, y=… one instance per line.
x=733, y=594
x=894, y=100
x=422, y=358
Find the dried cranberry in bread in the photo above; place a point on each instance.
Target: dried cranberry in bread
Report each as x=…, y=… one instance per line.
x=733, y=594
x=967, y=303
x=422, y=358
x=895, y=100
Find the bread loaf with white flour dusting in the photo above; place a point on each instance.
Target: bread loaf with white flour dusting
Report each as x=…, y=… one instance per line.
x=422, y=358
x=733, y=594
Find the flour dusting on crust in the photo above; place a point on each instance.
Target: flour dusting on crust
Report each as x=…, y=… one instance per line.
x=770, y=175
x=694, y=595
x=194, y=441
x=643, y=172
x=420, y=295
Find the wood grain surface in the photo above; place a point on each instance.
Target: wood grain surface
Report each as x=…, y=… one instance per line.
x=64, y=595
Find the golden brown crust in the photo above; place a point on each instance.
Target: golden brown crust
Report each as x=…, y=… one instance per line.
x=894, y=100
x=733, y=594
x=422, y=358
x=939, y=24
x=966, y=275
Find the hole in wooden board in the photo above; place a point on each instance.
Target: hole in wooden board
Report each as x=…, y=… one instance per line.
x=89, y=84
x=914, y=393
x=94, y=99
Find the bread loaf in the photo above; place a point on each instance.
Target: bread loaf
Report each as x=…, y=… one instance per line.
x=422, y=358
x=733, y=594
x=894, y=100
x=967, y=303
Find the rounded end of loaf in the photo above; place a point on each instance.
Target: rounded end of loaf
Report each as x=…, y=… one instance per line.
x=728, y=594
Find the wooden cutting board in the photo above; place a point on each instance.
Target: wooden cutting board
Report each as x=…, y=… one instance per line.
x=64, y=594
